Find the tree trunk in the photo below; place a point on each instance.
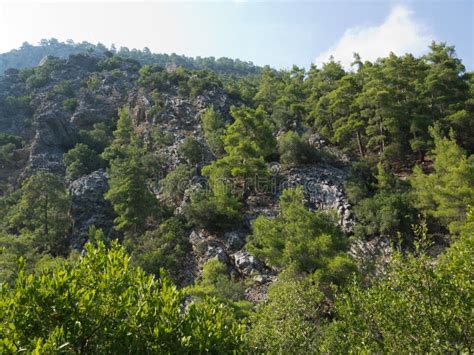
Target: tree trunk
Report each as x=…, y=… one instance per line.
x=359, y=144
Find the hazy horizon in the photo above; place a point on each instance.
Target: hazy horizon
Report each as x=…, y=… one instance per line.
x=279, y=34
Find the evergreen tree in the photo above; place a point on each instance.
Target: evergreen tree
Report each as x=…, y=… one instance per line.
x=42, y=211
x=310, y=241
x=447, y=192
x=213, y=126
x=128, y=192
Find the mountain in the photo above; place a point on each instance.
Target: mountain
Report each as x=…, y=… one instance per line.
x=301, y=209
x=28, y=56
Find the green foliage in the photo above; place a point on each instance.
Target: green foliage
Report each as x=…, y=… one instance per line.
x=64, y=88
x=192, y=150
x=175, y=183
x=308, y=240
x=290, y=319
x=121, y=309
x=8, y=144
x=247, y=141
x=160, y=138
x=417, y=307
x=385, y=214
x=15, y=104
x=188, y=83
x=294, y=149
x=447, y=192
x=42, y=211
x=128, y=192
x=165, y=247
x=98, y=138
x=216, y=282
x=213, y=211
x=81, y=160
x=213, y=126
x=70, y=104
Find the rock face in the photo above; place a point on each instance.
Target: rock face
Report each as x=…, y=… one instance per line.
x=65, y=96
x=88, y=206
x=323, y=188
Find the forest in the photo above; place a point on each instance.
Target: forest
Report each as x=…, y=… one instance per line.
x=163, y=204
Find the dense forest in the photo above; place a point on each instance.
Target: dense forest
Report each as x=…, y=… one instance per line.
x=163, y=204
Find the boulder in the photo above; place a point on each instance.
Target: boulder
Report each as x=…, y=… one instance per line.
x=88, y=207
x=247, y=264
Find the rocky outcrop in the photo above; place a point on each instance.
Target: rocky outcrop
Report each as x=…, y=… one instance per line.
x=88, y=207
x=323, y=189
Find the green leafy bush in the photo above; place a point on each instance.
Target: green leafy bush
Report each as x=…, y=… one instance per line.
x=291, y=320
x=176, y=182
x=211, y=211
x=216, y=282
x=165, y=247
x=101, y=304
x=419, y=306
x=214, y=127
x=192, y=150
x=70, y=104
x=81, y=160
x=294, y=150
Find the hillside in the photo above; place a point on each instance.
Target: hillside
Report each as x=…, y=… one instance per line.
x=28, y=56
x=307, y=202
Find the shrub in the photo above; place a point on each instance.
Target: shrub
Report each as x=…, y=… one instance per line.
x=165, y=247
x=210, y=211
x=290, y=320
x=70, y=104
x=294, y=150
x=176, y=182
x=191, y=150
x=81, y=160
x=418, y=306
x=216, y=282
x=121, y=310
x=213, y=126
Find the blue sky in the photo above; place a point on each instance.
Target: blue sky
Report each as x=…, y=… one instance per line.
x=276, y=33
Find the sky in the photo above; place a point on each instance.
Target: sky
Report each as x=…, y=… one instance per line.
x=277, y=33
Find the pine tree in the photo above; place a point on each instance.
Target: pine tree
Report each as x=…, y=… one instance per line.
x=42, y=211
x=128, y=192
x=447, y=192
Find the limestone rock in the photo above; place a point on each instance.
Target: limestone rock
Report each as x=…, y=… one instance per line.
x=88, y=206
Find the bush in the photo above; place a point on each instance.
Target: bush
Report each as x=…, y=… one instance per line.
x=385, y=214
x=176, y=182
x=213, y=126
x=289, y=321
x=70, y=104
x=294, y=150
x=419, y=306
x=99, y=138
x=65, y=88
x=165, y=247
x=81, y=160
x=121, y=310
x=216, y=282
x=191, y=150
x=209, y=211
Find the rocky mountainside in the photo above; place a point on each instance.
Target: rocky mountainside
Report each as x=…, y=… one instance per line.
x=51, y=106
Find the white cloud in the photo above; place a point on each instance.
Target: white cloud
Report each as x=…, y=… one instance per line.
x=400, y=33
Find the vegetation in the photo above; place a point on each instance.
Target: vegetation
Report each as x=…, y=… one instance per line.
x=100, y=303
x=81, y=160
x=401, y=127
